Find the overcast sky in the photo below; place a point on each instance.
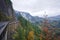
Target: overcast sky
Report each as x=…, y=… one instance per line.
x=38, y=7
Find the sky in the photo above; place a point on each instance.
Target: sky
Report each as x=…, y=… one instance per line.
x=38, y=7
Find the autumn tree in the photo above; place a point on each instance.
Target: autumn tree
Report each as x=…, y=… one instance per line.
x=47, y=29
x=31, y=35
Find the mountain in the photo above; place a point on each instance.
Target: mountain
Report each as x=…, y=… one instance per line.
x=54, y=21
x=25, y=27
x=38, y=20
x=17, y=13
x=56, y=18
x=27, y=16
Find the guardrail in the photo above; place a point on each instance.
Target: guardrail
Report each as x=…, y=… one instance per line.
x=3, y=29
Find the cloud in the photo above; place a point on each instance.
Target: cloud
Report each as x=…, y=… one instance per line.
x=37, y=7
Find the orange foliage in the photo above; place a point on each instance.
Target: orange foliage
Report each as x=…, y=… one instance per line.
x=45, y=29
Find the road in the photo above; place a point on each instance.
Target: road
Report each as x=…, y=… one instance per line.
x=2, y=26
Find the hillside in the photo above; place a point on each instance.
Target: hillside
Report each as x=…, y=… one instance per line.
x=38, y=20
x=47, y=29
x=26, y=30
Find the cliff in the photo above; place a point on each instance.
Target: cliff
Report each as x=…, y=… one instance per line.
x=6, y=10
x=7, y=15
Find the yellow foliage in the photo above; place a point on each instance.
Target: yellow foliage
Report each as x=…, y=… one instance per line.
x=31, y=35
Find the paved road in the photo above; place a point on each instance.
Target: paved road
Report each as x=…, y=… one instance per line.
x=2, y=26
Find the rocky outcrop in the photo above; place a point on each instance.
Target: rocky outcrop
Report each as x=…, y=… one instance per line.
x=6, y=10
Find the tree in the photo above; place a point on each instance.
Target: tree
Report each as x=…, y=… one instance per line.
x=31, y=35
x=47, y=29
x=41, y=36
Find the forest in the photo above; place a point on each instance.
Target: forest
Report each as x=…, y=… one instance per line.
x=28, y=31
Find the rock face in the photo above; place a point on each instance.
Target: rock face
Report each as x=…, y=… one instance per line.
x=7, y=14
x=6, y=10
